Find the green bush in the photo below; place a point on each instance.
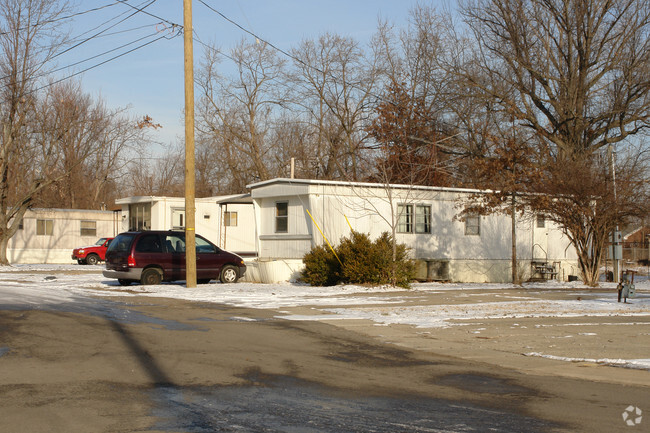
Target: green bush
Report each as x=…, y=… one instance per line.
x=362, y=262
x=402, y=271
x=321, y=267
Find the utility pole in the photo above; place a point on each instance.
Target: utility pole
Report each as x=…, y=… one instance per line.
x=513, y=228
x=190, y=240
x=617, y=250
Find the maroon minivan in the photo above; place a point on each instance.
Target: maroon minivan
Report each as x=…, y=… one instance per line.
x=151, y=257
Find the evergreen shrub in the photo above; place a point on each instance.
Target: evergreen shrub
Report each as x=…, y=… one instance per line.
x=321, y=267
x=362, y=262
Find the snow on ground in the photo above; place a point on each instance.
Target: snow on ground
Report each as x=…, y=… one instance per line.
x=382, y=304
x=637, y=364
x=41, y=285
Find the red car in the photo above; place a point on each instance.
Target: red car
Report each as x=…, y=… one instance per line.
x=93, y=253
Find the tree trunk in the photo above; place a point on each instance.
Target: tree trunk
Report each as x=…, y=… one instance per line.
x=4, y=242
x=513, y=217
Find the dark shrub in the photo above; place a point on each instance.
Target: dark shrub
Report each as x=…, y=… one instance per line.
x=360, y=260
x=363, y=262
x=321, y=267
x=400, y=272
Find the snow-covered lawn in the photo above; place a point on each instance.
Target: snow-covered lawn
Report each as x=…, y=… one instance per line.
x=40, y=286
x=50, y=284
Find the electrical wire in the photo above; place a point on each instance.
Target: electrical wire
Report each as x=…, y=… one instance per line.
x=103, y=31
x=378, y=98
x=124, y=2
x=80, y=36
x=100, y=54
x=67, y=17
x=283, y=52
x=138, y=9
x=101, y=63
x=94, y=57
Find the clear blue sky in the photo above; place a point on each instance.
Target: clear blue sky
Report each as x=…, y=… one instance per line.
x=150, y=79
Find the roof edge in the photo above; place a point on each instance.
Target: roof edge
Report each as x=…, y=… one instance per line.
x=360, y=184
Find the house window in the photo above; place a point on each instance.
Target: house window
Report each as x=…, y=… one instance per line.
x=541, y=221
x=230, y=219
x=405, y=218
x=422, y=219
x=88, y=228
x=178, y=218
x=473, y=225
x=44, y=227
x=282, y=217
x=140, y=216
x=21, y=224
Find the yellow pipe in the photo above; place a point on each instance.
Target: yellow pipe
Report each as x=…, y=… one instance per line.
x=346, y=218
x=321, y=233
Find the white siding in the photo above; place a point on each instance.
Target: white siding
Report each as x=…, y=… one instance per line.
x=208, y=219
x=372, y=209
x=26, y=246
x=240, y=238
x=290, y=245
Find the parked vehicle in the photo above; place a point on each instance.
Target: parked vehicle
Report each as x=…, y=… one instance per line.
x=151, y=257
x=92, y=254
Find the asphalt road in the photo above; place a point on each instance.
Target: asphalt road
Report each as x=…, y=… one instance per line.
x=143, y=365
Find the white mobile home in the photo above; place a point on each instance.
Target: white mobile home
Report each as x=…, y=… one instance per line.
x=477, y=249
x=227, y=221
x=49, y=235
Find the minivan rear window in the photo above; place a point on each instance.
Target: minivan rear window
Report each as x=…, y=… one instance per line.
x=122, y=243
x=149, y=243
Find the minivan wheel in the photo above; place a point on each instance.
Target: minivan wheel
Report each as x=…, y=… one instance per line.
x=151, y=276
x=124, y=282
x=229, y=274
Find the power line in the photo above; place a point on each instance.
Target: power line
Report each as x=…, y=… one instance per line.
x=66, y=17
x=141, y=10
x=101, y=63
x=103, y=31
x=100, y=54
x=297, y=59
x=94, y=57
x=283, y=52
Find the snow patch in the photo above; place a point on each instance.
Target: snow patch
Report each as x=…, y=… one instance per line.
x=639, y=364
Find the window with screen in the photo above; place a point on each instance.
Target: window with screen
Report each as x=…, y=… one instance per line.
x=473, y=225
x=422, y=219
x=44, y=227
x=230, y=219
x=88, y=228
x=282, y=217
x=405, y=218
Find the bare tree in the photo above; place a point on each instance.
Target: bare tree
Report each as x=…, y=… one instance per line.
x=29, y=38
x=236, y=113
x=587, y=201
x=574, y=73
x=90, y=142
x=335, y=83
x=157, y=175
x=122, y=139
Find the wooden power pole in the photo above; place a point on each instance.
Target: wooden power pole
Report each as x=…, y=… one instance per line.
x=190, y=240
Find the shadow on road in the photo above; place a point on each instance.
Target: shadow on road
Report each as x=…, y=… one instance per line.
x=144, y=358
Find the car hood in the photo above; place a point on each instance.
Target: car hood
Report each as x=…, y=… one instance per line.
x=87, y=246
